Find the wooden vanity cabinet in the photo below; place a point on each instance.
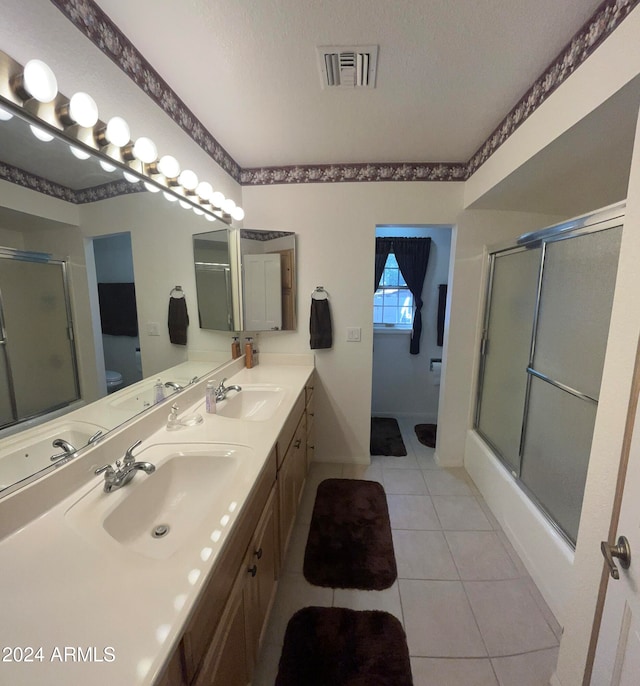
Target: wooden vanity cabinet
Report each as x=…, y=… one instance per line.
x=291, y=478
x=310, y=413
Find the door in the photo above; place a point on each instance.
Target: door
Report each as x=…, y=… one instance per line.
x=262, y=292
x=617, y=659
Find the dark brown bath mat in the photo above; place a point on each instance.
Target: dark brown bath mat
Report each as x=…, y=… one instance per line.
x=350, y=544
x=426, y=434
x=338, y=647
x=386, y=438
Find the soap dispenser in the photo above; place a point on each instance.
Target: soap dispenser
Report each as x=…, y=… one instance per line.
x=158, y=392
x=248, y=352
x=235, y=348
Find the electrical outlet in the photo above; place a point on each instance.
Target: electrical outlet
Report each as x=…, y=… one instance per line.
x=354, y=334
x=152, y=329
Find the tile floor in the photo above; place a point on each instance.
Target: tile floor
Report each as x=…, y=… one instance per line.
x=472, y=614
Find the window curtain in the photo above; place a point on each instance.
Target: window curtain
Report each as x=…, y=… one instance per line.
x=412, y=255
x=383, y=248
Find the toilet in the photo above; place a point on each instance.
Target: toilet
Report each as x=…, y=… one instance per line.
x=114, y=381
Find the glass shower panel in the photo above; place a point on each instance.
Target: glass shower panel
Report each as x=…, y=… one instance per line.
x=509, y=327
x=6, y=411
x=40, y=351
x=556, y=452
x=575, y=309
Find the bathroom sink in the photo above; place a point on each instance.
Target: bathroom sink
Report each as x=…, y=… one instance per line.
x=155, y=515
x=254, y=402
x=21, y=457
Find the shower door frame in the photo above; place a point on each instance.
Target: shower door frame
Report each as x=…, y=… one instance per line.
x=602, y=220
x=42, y=258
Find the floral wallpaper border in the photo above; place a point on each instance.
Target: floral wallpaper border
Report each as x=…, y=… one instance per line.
x=56, y=190
x=96, y=25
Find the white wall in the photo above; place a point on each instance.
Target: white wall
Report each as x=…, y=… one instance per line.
x=403, y=385
x=335, y=226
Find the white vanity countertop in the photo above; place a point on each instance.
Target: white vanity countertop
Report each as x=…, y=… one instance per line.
x=102, y=614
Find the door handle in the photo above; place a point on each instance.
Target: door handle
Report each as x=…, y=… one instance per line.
x=621, y=550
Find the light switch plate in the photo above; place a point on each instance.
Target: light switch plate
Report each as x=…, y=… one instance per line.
x=152, y=329
x=354, y=334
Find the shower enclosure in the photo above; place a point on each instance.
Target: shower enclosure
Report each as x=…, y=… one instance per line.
x=38, y=371
x=545, y=333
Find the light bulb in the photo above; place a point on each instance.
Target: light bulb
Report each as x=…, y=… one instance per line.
x=238, y=214
x=117, y=131
x=107, y=167
x=169, y=196
x=204, y=190
x=40, y=81
x=40, y=134
x=131, y=178
x=188, y=180
x=169, y=167
x=198, y=211
x=217, y=199
x=228, y=206
x=151, y=188
x=80, y=154
x=145, y=150
x=209, y=217
x=83, y=110
x=5, y=115
x=185, y=205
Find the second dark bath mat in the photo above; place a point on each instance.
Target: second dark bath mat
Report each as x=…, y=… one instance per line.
x=386, y=438
x=350, y=544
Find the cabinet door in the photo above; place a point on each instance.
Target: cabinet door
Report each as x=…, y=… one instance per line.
x=173, y=674
x=261, y=577
x=225, y=663
x=311, y=438
x=290, y=482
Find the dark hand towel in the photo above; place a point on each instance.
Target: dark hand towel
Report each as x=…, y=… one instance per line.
x=442, y=305
x=320, y=324
x=178, y=321
x=118, y=314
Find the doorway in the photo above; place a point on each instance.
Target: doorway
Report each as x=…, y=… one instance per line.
x=118, y=315
x=407, y=385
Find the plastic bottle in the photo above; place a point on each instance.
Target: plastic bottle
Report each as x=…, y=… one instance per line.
x=158, y=392
x=235, y=348
x=248, y=353
x=210, y=397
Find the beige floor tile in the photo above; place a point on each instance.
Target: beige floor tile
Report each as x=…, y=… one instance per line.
x=423, y=555
x=387, y=600
x=392, y=462
x=294, y=593
x=460, y=513
x=412, y=512
x=368, y=472
x=480, y=556
x=438, y=620
x=427, y=459
x=294, y=559
x=448, y=482
x=530, y=669
x=545, y=609
x=508, y=617
x=428, y=671
x=515, y=558
x=404, y=482
x=267, y=666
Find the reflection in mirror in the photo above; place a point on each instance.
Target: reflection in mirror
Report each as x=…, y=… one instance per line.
x=246, y=280
x=79, y=204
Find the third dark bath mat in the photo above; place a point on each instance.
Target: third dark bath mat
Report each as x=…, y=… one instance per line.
x=350, y=544
x=386, y=438
x=341, y=647
x=426, y=434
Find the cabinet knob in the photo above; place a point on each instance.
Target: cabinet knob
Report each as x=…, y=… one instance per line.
x=297, y=444
x=258, y=553
x=253, y=570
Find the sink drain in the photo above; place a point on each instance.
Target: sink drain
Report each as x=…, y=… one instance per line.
x=160, y=531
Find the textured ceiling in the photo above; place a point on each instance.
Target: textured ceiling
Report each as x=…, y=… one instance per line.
x=448, y=71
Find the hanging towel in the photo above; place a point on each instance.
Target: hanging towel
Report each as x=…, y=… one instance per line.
x=320, y=324
x=178, y=321
x=118, y=314
x=442, y=304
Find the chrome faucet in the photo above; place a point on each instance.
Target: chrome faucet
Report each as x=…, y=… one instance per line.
x=125, y=470
x=222, y=390
x=174, y=385
x=67, y=449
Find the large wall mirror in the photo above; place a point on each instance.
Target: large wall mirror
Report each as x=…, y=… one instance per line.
x=88, y=262
x=246, y=280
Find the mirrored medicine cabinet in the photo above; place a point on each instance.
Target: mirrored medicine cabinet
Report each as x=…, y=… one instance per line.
x=246, y=280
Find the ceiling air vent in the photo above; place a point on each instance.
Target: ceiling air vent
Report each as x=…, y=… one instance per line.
x=348, y=67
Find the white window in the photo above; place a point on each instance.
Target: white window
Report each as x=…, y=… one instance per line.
x=393, y=302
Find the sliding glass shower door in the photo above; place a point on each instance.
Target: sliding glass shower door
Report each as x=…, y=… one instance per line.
x=546, y=328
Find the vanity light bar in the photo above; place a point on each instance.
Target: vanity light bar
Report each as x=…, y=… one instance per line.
x=32, y=92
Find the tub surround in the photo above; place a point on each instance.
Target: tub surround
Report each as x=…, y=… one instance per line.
x=65, y=589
